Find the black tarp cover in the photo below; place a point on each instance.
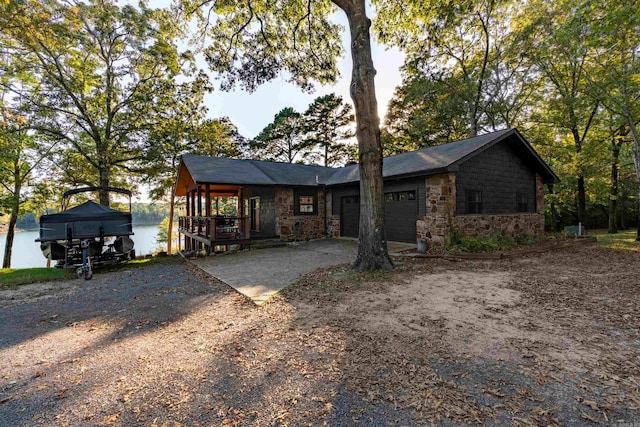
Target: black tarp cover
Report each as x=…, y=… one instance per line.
x=87, y=211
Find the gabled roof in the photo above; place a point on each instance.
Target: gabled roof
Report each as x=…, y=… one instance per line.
x=221, y=171
x=446, y=158
x=427, y=161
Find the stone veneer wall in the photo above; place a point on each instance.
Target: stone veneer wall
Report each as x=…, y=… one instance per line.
x=312, y=225
x=435, y=226
x=333, y=221
x=514, y=225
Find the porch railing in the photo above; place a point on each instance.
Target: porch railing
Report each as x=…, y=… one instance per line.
x=216, y=227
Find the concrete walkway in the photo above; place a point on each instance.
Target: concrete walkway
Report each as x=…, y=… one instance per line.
x=261, y=273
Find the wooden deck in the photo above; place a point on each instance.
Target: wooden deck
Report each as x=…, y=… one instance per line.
x=214, y=231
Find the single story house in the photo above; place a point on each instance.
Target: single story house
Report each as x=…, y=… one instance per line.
x=478, y=186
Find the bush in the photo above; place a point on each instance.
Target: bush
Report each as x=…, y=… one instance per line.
x=495, y=242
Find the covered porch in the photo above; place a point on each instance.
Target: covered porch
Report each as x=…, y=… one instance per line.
x=214, y=218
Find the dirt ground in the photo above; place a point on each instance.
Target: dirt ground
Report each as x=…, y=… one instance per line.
x=549, y=338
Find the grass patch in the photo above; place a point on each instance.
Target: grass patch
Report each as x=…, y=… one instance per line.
x=12, y=277
x=623, y=240
x=137, y=263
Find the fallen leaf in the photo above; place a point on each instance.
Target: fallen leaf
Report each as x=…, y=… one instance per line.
x=110, y=420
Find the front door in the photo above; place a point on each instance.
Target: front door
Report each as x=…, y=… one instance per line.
x=254, y=213
x=350, y=216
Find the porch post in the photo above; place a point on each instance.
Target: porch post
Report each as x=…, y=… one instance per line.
x=193, y=204
x=207, y=200
x=170, y=231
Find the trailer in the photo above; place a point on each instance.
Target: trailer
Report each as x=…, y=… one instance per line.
x=88, y=234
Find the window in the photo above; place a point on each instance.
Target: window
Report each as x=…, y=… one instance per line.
x=305, y=202
x=521, y=202
x=474, y=201
x=400, y=196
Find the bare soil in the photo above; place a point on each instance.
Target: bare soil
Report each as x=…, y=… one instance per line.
x=549, y=338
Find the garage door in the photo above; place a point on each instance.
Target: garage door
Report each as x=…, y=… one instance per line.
x=401, y=210
x=400, y=214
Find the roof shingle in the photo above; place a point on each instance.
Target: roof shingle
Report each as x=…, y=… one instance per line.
x=430, y=160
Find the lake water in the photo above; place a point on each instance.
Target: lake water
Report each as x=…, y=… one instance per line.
x=26, y=251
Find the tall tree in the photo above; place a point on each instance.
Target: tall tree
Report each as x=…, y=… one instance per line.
x=20, y=155
x=328, y=125
x=173, y=138
x=107, y=73
x=614, y=42
x=282, y=140
x=425, y=111
x=252, y=42
x=452, y=40
x=551, y=34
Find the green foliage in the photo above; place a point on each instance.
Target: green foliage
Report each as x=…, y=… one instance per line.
x=328, y=124
x=424, y=112
x=109, y=77
x=496, y=242
x=149, y=213
x=255, y=42
x=319, y=135
x=210, y=137
x=283, y=139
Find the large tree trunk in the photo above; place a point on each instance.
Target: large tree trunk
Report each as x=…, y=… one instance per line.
x=104, y=182
x=372, y=247
x=13, y=219
x=636, y=159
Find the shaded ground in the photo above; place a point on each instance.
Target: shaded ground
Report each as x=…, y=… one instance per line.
x=551, y=338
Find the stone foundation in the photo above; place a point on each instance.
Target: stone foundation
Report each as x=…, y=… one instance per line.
x=434, y=229
x=309, y=226
x=514, y=225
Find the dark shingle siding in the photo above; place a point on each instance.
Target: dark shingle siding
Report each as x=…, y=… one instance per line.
x=499, y=173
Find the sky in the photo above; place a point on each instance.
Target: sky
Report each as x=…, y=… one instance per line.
x=251, y=112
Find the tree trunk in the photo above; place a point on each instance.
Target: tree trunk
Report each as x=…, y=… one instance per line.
x=636, y=160
x=13, y=219
x=552, y=209
x=372, y=245
x=582, y=200
x=104, y=182
x=613, y=193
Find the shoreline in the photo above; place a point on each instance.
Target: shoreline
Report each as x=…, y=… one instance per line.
x=4, y=228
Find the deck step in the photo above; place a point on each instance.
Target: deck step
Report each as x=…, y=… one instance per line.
x=267, y=243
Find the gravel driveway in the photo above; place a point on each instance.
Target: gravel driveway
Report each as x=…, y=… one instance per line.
x=546, y=339
x=259, y=274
